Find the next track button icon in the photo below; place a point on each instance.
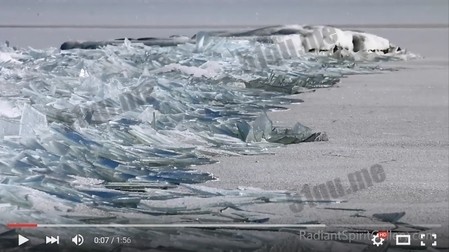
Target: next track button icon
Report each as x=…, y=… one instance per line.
x=51, y=240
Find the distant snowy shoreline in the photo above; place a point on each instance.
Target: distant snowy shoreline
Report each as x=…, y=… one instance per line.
x=303, y=38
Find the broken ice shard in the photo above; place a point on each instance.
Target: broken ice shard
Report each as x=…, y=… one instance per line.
x=9, y=127
x=31, y=120
x=262, y=128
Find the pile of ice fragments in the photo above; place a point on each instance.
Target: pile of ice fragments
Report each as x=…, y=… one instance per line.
x=112, y=134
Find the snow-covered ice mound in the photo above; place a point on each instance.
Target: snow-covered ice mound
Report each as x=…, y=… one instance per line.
x=299, y=38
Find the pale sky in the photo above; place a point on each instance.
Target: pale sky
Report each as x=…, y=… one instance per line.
x=197, y=12
x=222, y=12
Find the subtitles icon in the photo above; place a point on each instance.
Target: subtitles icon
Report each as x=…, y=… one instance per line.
x=78, y=240
x=51, y=240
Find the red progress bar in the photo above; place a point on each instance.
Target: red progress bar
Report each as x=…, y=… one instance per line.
x=21, y=225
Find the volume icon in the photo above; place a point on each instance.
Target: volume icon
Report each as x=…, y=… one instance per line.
x=78, y=240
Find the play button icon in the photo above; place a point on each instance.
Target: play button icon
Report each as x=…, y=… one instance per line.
x=22, y=239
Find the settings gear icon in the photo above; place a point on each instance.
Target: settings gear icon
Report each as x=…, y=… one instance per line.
x=377, y=243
